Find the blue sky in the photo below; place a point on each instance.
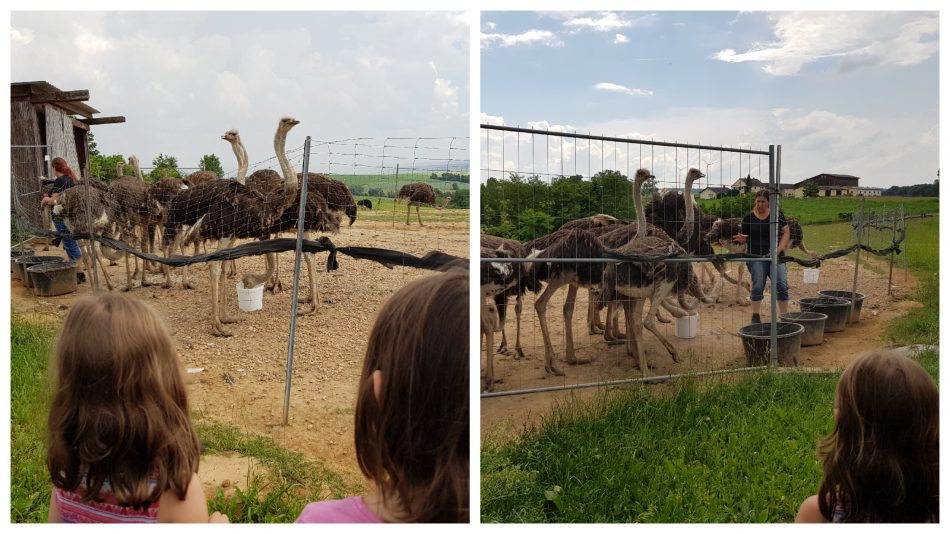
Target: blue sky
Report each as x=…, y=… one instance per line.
x=842, y=92
x=182, y=78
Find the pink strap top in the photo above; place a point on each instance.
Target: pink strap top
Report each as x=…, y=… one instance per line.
x=348, y=510
x=103, y=509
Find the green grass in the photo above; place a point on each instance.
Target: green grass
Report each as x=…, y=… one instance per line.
x=732, y=452
x=829, y=209
x=389, y=182
x=29, y=401
x=289, y=480
x=383, y=212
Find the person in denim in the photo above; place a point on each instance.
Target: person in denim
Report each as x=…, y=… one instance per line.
x=755, y=232
x=65, y=179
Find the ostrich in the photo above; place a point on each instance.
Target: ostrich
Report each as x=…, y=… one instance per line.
x=655, y=280
x=499, y=280
x=418, y=193
x=227, y=211
x=88, y=209
x=336, y=193
x=365, y=203
x=131, y=212
x=518, y=280
x=318, y=216
x=200, y=177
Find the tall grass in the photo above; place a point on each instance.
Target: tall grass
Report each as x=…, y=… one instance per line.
x=732, y=452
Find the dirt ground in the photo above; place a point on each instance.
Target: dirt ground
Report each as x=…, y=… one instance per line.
x=240, y=380
x=716, y=345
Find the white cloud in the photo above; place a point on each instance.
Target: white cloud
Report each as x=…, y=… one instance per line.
x=529, y=37
x=855, y=39
x=604, y=23
x=615, y=88
x=21, y=36
x=621, y=38
x=447, y=97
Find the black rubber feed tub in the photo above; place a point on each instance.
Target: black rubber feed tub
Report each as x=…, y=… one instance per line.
x=813, y=322
x=848, y=295
x=54, y=278
x=30, y=261
x=18, y=252
x=836, y=309
x=757, y=342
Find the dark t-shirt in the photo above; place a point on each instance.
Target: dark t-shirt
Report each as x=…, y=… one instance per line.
x=758, y=232
x=61, y=184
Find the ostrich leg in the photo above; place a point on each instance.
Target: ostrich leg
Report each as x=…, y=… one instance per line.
x=314, y=297
x=541, y=306
x=594, y=326
x=102, y=266
x=408, y=209
x=418, y=215
x=631, y=310
x=569, y=327
x=489, y=323
x=649, y=322
x=219, y=298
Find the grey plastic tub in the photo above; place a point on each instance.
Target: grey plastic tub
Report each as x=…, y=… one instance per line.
x=813, y=322
x=53, y=278
x=29, y=261
x=757, y=343
x=848, y=295
x=836, y=309
x=18, y=252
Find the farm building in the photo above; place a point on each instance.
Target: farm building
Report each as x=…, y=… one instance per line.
x=46, y=122
x=831, y=185
x=713, y=192
x=748, y=184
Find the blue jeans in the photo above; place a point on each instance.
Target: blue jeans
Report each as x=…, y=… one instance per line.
x=72, y=249
x=760, y=271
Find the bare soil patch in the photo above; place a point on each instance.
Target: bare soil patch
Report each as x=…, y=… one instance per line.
x=716, y=345
x=243, y=376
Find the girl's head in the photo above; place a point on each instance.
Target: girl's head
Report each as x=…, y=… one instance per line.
x=762, y=200
x=61, y=168
x=120, y=409
x=412, y=422
x=880, y=462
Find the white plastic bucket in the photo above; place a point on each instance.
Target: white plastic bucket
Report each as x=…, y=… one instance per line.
x=686, y=326
x=250, y=299
x=811, y=276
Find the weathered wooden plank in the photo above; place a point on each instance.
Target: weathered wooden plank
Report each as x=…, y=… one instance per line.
x=26, y=164
x=63, y=96
x=59, y=134
x=103, y=120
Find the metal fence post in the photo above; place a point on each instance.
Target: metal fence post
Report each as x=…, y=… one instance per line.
x=301, y=214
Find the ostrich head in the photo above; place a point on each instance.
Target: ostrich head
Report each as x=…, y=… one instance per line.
x=119, y=168
x=134, y=162
x=694, y=174
x=232, y=136
x=715, y=233
x=642, y=176
x=280, y=141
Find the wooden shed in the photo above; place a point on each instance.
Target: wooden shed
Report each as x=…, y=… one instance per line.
x=46, y=122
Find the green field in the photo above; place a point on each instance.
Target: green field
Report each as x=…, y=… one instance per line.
x=390, y=183
x=830, y=209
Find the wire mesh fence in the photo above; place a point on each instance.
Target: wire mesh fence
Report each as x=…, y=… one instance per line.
x=692, y=316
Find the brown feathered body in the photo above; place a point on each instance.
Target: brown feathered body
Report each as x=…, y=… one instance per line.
x=417, y=192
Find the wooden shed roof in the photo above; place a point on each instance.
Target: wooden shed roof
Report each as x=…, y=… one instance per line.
x=36, y=90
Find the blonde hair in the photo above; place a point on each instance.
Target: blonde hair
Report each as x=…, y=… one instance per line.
x=120, y=410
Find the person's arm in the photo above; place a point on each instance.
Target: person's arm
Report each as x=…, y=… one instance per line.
x=53, y=515
x=743, y=235
x=49, y=200
x=809, y=512
x=193, y=509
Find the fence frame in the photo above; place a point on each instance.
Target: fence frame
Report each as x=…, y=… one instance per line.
x=774, y=170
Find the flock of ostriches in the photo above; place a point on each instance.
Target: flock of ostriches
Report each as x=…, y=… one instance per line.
x=203, y=208
x=669, y=225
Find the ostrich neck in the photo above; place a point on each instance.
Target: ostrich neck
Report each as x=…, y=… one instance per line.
x=638, y=207
x=138, y=171
x=688, y=200
x=290, y=177
x=241, y=154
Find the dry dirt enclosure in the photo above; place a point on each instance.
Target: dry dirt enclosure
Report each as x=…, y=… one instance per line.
x=716, y=345
x=241, y=381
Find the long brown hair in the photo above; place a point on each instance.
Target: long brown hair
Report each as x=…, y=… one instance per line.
x=414, y=444
x=60, y=166
x=120, y=410
x=881, y=461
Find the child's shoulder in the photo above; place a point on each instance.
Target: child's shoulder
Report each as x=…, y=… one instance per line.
x=348, y=510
